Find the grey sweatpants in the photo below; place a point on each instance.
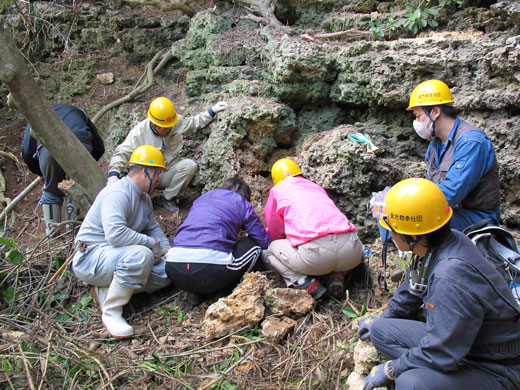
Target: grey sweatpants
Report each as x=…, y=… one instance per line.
x=176, y=179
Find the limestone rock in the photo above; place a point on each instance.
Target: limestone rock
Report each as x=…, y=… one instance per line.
x=244, y=137
x=243, y=308
x=105, y=78
x=288, y=301
x=276, y=328
x=355, y=381
x=366, y=356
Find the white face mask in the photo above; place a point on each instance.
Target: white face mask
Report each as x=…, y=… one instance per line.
x=422, y=129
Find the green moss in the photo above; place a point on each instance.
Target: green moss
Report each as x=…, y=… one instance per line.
x=302, y=93
x=214, y=78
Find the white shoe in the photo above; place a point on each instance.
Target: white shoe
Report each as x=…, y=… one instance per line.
x=100, y=295
x=118, y=295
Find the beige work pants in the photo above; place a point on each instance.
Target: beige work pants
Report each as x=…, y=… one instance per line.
x=176, y=179
x=334, y=252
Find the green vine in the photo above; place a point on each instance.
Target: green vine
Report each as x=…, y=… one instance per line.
x=415, y=18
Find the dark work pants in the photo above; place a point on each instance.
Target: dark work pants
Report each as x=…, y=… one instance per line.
x=211, y=278
x=392, y=337
x=53, y=173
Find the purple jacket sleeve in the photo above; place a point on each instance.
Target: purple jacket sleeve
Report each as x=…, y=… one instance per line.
x=254, y=227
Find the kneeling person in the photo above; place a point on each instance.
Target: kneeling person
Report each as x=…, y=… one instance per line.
x=310, y=235
x=471, y=337
x=120, y=244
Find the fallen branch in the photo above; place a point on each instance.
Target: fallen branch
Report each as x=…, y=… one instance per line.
x=3, y=198
x=218, y=377
x=19, y=197
x=77, y=193
x=63, y=266
x=11, y=156
x=27, y=370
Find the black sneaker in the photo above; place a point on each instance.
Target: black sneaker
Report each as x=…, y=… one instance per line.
x=194, y=299
x=312, y=286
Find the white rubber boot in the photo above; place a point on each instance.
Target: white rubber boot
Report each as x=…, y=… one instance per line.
x=118, y=295
x=51, y=213
x=100, y=295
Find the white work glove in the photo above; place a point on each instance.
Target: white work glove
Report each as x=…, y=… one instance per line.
x=220, y=106
x=264, y=256
x=112, y=179
x=157, y=251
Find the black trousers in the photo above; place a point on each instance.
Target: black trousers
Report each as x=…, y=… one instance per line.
x=53, y=174
x=203, y=278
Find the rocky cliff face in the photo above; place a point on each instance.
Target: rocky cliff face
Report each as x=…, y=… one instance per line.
x=292, y=96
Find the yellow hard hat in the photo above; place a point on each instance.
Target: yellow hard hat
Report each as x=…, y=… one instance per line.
x=147, y=155
x=415, y=206
x=162, y=112
x=284, y=168
x=430, y=93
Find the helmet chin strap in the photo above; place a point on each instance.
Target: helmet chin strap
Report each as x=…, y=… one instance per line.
x=419, y=269
x=428, y=112
x=150, y=178
x=152, y=127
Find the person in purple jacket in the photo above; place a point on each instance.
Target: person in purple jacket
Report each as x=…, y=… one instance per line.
x=207, y=256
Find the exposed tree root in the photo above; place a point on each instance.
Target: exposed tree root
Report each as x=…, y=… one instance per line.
x=148, y=77
x=264, y=8
x=311, y=36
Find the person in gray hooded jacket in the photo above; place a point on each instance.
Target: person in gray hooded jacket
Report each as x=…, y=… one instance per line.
x=471, y=337
x=120, y=245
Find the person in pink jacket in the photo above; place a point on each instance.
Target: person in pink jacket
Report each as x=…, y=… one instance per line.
x=309, y=235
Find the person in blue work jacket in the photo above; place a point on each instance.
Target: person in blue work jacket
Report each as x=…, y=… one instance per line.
x=471, y=335
x=460, y=158
x=207, y=255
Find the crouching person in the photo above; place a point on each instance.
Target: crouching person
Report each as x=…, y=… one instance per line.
x=207, y=256
x=120, y=244
x=310, y=235
x=471, y=335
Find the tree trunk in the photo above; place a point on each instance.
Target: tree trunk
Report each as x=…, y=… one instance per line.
x=47, y=126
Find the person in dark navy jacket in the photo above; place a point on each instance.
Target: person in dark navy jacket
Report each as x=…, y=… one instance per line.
x=41, y=163
x=471, y=335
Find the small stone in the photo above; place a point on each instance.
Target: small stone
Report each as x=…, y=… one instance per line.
x=275, y=329
x=105, y=78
